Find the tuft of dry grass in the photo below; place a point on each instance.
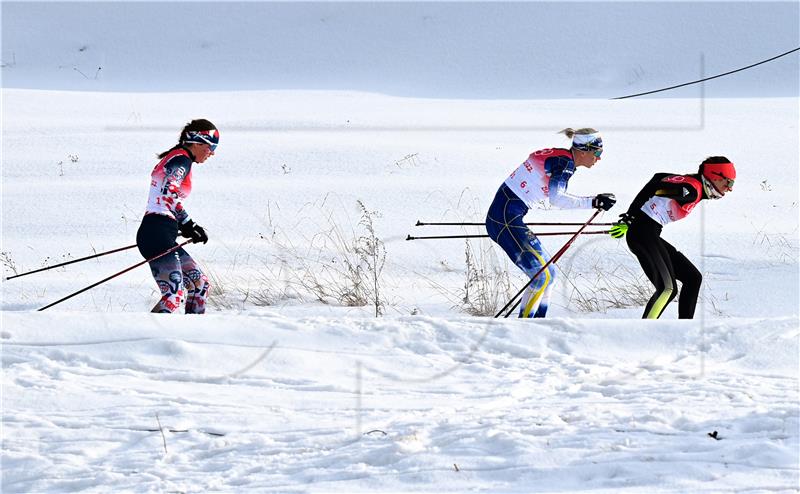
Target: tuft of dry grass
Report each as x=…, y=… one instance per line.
x=220, y=296
x=617, y=288
x=335, y=266
x=487, y=286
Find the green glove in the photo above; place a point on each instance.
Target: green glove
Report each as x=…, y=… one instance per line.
x=620, y=228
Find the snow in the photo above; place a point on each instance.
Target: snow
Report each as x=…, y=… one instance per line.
x=392, y=404
x=276, y=389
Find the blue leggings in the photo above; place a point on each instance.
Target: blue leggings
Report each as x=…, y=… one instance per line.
x=505, y=225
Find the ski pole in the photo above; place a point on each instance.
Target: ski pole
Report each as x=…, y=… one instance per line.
x=544, y=223
x=168, y=251
x=551, y=261
x=600, y=232
x=71, y=262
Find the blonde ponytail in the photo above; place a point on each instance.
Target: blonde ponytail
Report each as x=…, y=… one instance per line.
x=570, y=132
x=567, y=132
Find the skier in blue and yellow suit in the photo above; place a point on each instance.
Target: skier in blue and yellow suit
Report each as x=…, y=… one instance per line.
x=543, y=177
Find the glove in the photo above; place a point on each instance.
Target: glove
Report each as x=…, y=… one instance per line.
x=192, y=230
x=604, y=201
x=620, y=228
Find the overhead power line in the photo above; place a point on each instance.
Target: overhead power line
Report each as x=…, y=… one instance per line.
x=709, y=78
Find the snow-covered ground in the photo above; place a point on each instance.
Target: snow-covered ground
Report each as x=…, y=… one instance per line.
x=283, y=386
x=264, y=402
x=292, y=165
x=317, y=397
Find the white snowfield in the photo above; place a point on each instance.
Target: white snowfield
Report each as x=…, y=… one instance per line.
x=263, y=402
x=343, y=123
x=305, y=396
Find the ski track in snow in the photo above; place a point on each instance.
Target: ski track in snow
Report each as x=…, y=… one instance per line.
x=394, y=404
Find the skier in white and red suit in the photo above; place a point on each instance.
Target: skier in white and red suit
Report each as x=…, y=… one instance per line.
x=668, y=197
x=180, y=279
x=542, y=178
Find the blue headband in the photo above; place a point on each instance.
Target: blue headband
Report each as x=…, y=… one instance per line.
x=210, y=137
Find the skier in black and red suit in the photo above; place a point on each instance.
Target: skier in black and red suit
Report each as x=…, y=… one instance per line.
x=669, y=197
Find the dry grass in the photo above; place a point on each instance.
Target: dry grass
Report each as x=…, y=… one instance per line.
x=487, y=286
x=337, y=266
x=220, y=296
x=616, y=288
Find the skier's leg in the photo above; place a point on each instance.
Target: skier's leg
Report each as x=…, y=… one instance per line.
x=505, y=225
x=167, y=273
x=156, y=234
x=530, y=260
x=654, y=259
x=196, y=282
x=690, y=278
x=525, y=251
x=545, y=300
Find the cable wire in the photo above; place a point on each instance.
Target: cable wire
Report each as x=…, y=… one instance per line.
x=709, y=78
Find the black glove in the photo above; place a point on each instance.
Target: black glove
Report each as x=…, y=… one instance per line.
x=192, y=230
x=604, y=201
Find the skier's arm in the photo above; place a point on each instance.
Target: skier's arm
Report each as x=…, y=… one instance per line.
x=679, y=191
x=560, y=173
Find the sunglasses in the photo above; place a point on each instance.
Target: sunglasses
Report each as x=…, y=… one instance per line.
x=210, y=137
x=728, y=181
x=595, y=146
x=595, y=150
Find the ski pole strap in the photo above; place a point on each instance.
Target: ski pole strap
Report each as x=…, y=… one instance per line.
x=516, y=298
x=71, y=262
x=168, y=251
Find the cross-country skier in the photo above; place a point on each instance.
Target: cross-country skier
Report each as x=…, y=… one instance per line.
x=542, y=178
x=666, y=198
x=178, y=276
